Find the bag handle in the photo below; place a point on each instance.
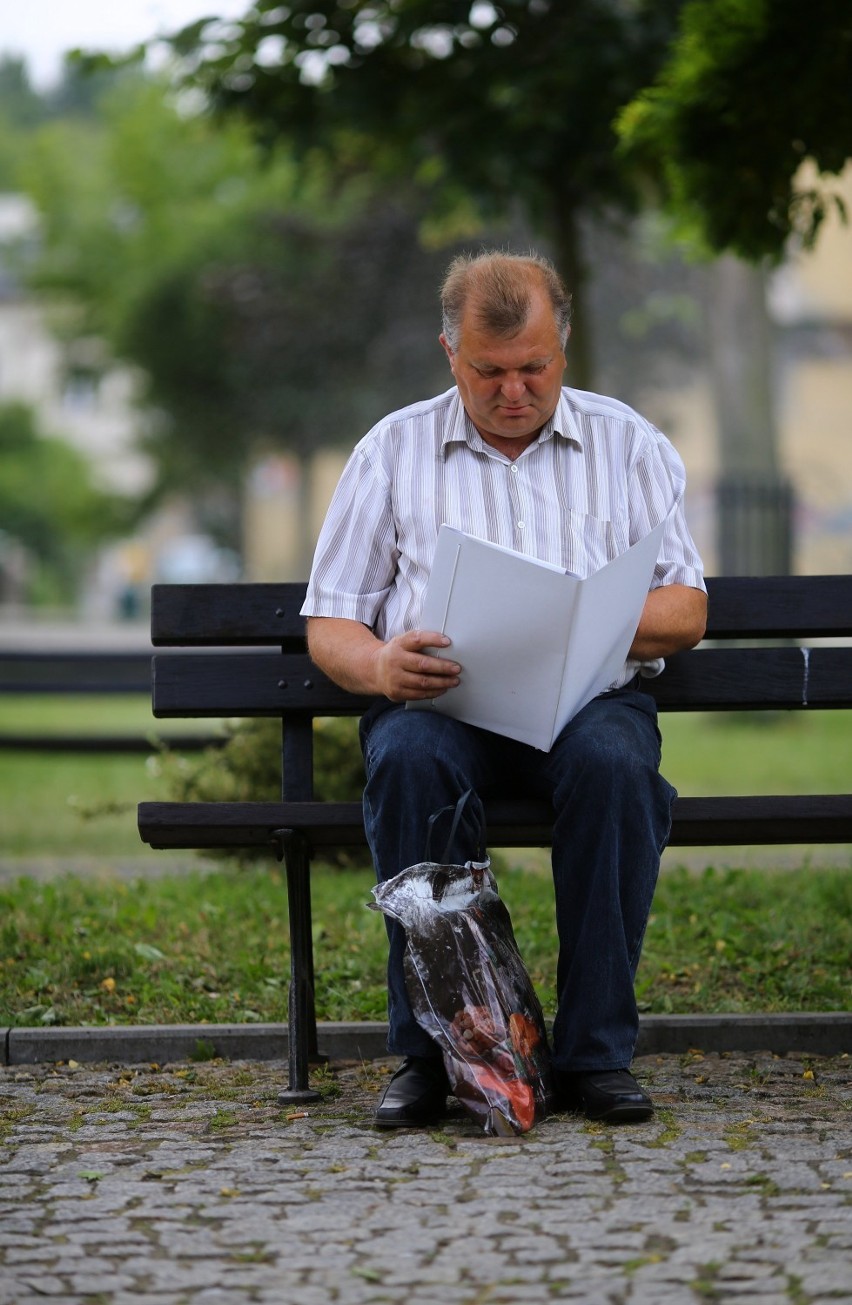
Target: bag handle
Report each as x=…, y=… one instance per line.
x=458, y=811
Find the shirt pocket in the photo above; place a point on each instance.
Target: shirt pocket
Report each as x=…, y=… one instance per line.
x=588, y=542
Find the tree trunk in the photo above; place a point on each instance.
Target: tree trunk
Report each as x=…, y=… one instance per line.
x=568, y=256
x=306, y=536
x=754, y=498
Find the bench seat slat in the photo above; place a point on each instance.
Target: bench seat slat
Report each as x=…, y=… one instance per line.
x=698, y=821
x=267, y=684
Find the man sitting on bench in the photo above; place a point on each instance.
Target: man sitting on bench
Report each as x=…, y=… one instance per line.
x=571, y=478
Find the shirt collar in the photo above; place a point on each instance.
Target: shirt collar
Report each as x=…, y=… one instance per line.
x=459, y=429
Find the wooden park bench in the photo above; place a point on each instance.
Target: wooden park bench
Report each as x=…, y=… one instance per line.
x=252, y=661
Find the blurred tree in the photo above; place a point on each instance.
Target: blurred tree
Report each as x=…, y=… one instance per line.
x=125, y=198
x=20, y=110
x=292, y=336
x=260, y=300
x=20, y=104
x=752, y=89
x=739, y=134
x=79, y=90
x=49, y=503
x=491, y=108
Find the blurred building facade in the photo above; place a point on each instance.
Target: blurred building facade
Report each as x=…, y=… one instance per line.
x=809, y=316
x=81, y=396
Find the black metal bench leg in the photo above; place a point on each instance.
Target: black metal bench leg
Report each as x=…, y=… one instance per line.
x=302, y=1022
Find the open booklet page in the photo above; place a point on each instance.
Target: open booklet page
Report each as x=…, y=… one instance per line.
x=534, y=642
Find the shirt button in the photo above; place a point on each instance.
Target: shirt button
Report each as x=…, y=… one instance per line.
x=514, y=469
x=521, y=525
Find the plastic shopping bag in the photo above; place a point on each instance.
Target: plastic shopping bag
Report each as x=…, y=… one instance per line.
x=470, y=991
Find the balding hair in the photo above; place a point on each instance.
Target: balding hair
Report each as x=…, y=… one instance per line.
x=499, y=288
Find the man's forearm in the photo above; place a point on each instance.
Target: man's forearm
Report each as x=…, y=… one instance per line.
x=399, y=669
x=346, y=651
x=674, y=617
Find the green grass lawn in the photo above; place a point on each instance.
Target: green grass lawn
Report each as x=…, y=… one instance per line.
x=79, y=804
x=212, y=944
x=81, y=713
x=73, y=805
x=77, y=713
x=753, y=752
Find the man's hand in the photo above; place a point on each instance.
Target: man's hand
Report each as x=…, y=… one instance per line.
x=406, y=673
x=400, y=669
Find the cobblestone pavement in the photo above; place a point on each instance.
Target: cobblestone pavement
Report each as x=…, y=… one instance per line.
x=190, y=1184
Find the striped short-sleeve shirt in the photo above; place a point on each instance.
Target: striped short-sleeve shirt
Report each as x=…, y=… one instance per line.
x=597, y=478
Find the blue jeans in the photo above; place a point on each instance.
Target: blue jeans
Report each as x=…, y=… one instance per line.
x=612, y=819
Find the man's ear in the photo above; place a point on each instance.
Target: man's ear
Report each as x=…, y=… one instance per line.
x=447, y=350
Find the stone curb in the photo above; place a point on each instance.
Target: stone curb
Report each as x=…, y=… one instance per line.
x=827, y=1033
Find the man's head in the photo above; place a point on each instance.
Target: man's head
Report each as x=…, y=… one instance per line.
x=506, y=321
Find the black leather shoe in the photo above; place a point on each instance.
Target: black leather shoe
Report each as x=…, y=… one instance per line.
x=610, y=1095
x=416, y=1095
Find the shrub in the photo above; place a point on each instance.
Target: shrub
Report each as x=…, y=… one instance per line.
x=247, y=768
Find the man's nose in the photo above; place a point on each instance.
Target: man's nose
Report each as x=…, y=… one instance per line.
x=513, y=388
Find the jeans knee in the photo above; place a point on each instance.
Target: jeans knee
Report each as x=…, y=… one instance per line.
x=396, y=753
x=610, y=743
x=410, y=748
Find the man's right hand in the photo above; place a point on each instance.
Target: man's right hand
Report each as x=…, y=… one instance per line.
x=399, y=669
x=407, y=673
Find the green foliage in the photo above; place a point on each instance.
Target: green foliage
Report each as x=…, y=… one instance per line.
x=20, y=103
x=134, y=203
x=248, y=769
x=453, y=93
x=490, y=109
x=339, y=765
x=751, y=90
x=49, y=502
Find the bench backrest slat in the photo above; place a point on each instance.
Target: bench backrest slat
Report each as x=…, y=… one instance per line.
x=74, y=672
x=236, y=615
x=779, y=606
x=740, y=679
x=740, y=607
x=257, y=615
x=245, y=684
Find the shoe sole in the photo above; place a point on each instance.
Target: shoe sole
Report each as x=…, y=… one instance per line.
x=407, y=1123
x=625, y=1114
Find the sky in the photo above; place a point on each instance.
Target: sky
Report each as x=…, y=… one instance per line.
x=42, y=30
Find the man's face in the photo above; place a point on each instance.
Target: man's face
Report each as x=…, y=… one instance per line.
x=509, y=387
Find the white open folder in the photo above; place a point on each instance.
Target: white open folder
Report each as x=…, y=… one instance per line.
x=535, y=643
